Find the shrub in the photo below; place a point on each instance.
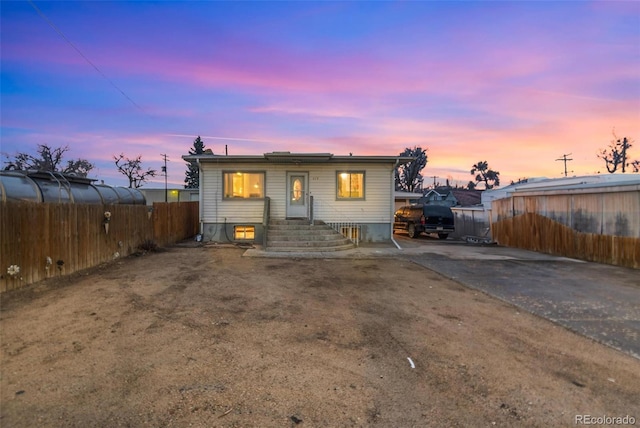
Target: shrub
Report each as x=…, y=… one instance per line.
x=148, y=246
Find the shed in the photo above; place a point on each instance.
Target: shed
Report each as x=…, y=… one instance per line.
x=55, y=187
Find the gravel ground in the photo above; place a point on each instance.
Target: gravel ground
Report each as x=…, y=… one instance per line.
x=200, y=336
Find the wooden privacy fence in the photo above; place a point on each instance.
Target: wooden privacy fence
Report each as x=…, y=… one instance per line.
x=173, y=222
x=538, y=233
x=599, y=226
x=45, y=240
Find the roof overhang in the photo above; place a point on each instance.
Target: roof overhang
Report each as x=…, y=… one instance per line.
x=296, y=158
x=288, y=157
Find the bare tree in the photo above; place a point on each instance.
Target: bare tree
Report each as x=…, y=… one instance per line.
x=408, y=177
x=49, y=159
x=485, y=175
x=615, y=155
x=132, y=169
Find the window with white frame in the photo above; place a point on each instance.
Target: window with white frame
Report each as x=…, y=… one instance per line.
x=350, y=185
x=243, y=185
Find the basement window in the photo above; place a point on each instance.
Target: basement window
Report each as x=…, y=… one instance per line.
x=244, y=233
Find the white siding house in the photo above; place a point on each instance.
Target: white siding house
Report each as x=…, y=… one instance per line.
x=246, y=192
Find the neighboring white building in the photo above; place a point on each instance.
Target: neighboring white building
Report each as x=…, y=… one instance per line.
x=406, y=198
x=240, y=194
x=169, y=195
x=562, y=184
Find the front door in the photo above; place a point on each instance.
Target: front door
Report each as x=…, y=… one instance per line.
x=297, y=194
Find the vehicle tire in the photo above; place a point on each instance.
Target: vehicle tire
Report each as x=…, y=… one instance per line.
x=443, y=235
x=411, y=230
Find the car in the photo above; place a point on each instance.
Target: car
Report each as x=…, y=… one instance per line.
x=417, y=219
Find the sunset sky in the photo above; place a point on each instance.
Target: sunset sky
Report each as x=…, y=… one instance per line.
x=518, y=84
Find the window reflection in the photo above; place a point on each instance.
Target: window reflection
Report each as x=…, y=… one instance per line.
x=350, y=185
x=296, y=193
x=244, y=184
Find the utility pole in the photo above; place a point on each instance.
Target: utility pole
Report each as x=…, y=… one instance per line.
x=164, y=170
x=565, y=160
x=434, y=180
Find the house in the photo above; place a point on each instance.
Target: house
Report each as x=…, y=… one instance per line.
x=438, y=197
x=241, y=196
x=452, y=197
x=466, y=197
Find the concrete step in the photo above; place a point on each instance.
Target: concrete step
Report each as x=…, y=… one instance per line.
x=296, y=230
x=299, y=227
x=310, y=249
x=299, y=235
x=329, y=241
x=295, y=222
x=303, y=237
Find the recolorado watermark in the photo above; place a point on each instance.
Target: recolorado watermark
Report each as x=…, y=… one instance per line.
x=604, y=420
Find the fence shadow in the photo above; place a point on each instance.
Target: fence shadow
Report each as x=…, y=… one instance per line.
x=535, y=232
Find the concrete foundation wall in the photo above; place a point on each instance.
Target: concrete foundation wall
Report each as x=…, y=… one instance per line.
x=221, y=232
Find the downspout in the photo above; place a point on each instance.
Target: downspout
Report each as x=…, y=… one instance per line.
x=393, y=201
x=200, y=197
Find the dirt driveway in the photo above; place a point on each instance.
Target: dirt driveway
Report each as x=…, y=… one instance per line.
x=201, y=336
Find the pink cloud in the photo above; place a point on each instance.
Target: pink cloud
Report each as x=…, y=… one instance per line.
x=518, y=98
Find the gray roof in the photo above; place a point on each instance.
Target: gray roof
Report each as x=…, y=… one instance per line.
x=296, y=158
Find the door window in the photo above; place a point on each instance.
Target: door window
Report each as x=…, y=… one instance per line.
x=297, y=191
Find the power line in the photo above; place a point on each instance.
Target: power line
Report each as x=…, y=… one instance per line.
x=565, y=160
x=164, y=170
x=82, y=55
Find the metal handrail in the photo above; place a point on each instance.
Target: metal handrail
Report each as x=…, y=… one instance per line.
x=341, y=226
x=352, y=230
x=337, y=212
x=265, y=220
